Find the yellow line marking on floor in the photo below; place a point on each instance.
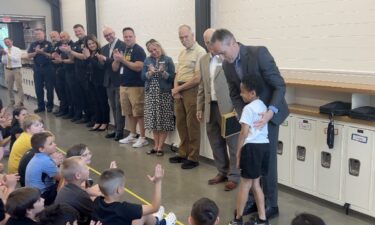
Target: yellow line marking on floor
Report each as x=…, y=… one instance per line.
x=126, y=189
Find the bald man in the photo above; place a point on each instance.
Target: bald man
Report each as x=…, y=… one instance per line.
x=59, y=81
x=185, y=94
x=68, y=79
x=112, y=81
x=213, y=100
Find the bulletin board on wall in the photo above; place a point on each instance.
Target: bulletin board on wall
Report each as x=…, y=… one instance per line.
x=335, y=35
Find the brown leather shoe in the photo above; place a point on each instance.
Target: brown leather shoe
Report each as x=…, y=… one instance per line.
x=217, y=179
x=230, y=185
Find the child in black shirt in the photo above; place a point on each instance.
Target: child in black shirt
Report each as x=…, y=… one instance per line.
x=110, y=211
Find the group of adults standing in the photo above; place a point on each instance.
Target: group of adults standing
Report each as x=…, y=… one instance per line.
x=152, y=94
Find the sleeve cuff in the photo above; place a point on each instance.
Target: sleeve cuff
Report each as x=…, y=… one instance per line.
x=273, y=109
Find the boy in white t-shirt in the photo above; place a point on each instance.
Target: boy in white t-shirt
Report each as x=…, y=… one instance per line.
x=253, y=150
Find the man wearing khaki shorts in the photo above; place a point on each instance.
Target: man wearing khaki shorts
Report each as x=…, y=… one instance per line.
x=129, y=62
x=11, y=58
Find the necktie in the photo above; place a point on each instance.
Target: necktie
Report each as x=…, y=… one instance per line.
x=238, y=68
x=111, y=47
x=9, y=64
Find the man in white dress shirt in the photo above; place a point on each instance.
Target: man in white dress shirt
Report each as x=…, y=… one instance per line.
x=11, y=58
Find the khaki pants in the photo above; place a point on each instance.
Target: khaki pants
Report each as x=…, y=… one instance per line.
x=12, y=76
x=188, y=126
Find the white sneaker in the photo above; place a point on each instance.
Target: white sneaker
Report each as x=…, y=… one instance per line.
x=142, y=141
x=131, y=138
x=170, y=219
x=159, y=214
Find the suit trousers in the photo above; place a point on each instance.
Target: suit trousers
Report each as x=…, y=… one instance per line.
x=226, y=165
x=113, y=94
x=270, y=181
x=188, y=126
x=11, y=77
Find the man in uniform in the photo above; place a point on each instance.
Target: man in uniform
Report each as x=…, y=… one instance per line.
x=68, y=76
x=59, y=81
x=81, y=77
x=40, y=51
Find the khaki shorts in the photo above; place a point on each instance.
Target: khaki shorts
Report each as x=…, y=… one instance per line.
x=132, y=101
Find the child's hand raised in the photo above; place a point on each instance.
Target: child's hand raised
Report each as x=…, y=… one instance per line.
x=159, y=174
x=113, y=165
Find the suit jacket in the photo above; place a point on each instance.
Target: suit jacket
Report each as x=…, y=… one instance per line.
x=111, y=79
x=258, y=61
x=204, y=90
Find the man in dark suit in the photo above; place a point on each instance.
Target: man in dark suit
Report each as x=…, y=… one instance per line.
x=240, y=61
x=112, y=81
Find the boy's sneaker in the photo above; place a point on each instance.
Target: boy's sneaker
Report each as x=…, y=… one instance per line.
x=159, y=214
x=236, y=222
x=131, y=138
x=170, y=219
x=141, y=141
x=257, y=221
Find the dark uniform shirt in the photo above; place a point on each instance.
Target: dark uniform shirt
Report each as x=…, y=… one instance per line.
x=80, y=65
x=67, y=66
x=55, y=48
x=40, y=59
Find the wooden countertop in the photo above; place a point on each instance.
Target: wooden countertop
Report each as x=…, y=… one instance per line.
x=331, y=86
x=314, y=111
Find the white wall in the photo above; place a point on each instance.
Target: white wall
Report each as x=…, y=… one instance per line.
x=149, y=18
x=308, y=34
x=73, y=12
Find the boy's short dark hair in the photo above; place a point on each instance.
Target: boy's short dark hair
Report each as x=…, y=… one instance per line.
x=253, y=83
x=76, y=150
x=78, y=25
x=307, y=219
x=70, y=167
x=128, y=28
x=204, y=212
x=20, y=200
x=39, y=140
x=110, y=180
x=58, y=214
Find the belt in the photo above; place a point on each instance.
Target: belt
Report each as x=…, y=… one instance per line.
x=180, y=82
x=14, y=68
x=213, y=102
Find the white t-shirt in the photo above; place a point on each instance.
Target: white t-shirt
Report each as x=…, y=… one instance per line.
x=250, y=114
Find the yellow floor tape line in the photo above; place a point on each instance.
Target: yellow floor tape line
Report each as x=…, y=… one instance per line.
x=127, y=190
